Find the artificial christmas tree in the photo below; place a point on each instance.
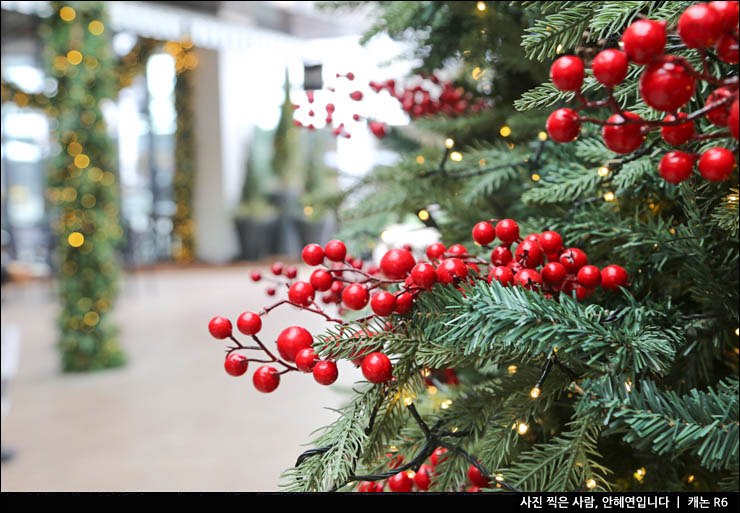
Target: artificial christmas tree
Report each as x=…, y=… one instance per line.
x=593, y=325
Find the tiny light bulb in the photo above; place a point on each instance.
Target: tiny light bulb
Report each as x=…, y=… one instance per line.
x=449, y=143
x=522, y=428
x=420, y=159
x=505, y=131
x=423, y=215
x=691, y=478
x=481, y=6
x=603, y=171
x=512, y=369
x=542, y=136
x=456, y=156
x=535, y=177
x=431, y=390
x=609, y=196
x=535, y=392
x=591, y=483
x=408, y=401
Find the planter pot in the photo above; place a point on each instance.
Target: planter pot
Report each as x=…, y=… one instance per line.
x=316, y=231
x=256, y=237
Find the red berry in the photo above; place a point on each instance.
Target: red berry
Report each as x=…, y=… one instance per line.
x=676, y=166
x=291, y=272
x=720, y=114
x=301, y=292
x=507, y=231
x=613, y=277
x=583, y=292
x=727, y=48
x=716, y=164
x=350, y=76
x=567, y=73
x=502, y=274
x=734, y=120
x=256, y=276
x=335, y=250
x=277, y=268
x=473, y=489
x=321, y=280
x=220, y=327
x=554, y=273
x=236, y=364
x=400, y=483
x=610, y=67
x=666, y=86
x=644, y=40
x=437, y=456
x=450, y=269
x=529, y=254
x=378, y=129
x=728, y=13
x=266, y=379
x=404, y=302
x=699, y=26
x=423, y=477
x=484, y=233
x=312, y=254
x=249, y=323
x=589, y=276
x=563, y=125
x=551, y=242
x=356, y=95
x=291, y=340
x=457, y=249
x=305, y=359
x=677, y=134
x=397, y=263
x=355, y=296
x=270, y=291
x=424, y=275
x=573, y=259
x=383, y=303
x=476, y=477
x=501, y=255
x=337, y=287
x=625, y=137
x=325, y=372
x=377, y=368
x=330, y=107
x=436, y=250
x=528, y=278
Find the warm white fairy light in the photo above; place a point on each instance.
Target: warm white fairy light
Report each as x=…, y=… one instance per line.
x=522, y=428
x=591, y=483
x=449, y=143
x=603, y=171
x=456, y=156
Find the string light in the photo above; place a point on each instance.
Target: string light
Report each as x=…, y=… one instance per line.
x=408, y=401
x=449, y=143
x=420, y=159
x=535, y=177
x=431, y=390
x=639, y=474
x=603, y=171
x=481, y=162
x=74, y=57
x=522, y=428
x=737, y=332
x=67, y=13
x=505, y=131
x=591, y=483
x=456, y=156
x=691, y=479
x=481, y=6
x=96, y=27
x=559, y=49
x=609, y=196
x=542, y=136
x=512, y=369
x=76, y=239
x=446, y=404
x=628, y=385
x=535, y=392
x=423, y=215
x=307, y=210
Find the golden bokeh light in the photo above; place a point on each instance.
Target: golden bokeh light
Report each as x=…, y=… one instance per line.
x=74, y=57
x=82, y=161
x=505, y=131
x=76, y=239
x=67, y=13
x=96, y=27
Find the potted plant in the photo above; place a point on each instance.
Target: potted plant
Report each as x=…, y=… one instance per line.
x=320, y=189
x=256, y=217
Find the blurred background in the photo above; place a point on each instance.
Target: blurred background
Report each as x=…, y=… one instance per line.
x=153, y=153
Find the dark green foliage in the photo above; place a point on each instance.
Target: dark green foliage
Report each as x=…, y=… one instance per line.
x=642, y=379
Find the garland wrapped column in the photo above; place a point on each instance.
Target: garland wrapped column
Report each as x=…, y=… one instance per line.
x=183, y=229
x=82, y=189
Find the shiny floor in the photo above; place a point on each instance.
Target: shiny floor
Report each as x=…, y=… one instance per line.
x=172, y=419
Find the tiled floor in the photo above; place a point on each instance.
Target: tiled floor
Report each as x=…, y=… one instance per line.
x=172, y=419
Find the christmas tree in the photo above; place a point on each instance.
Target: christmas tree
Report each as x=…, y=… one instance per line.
x=585, y=338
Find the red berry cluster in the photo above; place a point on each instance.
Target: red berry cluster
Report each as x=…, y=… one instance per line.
x=421, y=480
x=666, y=84
x=428, y=97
